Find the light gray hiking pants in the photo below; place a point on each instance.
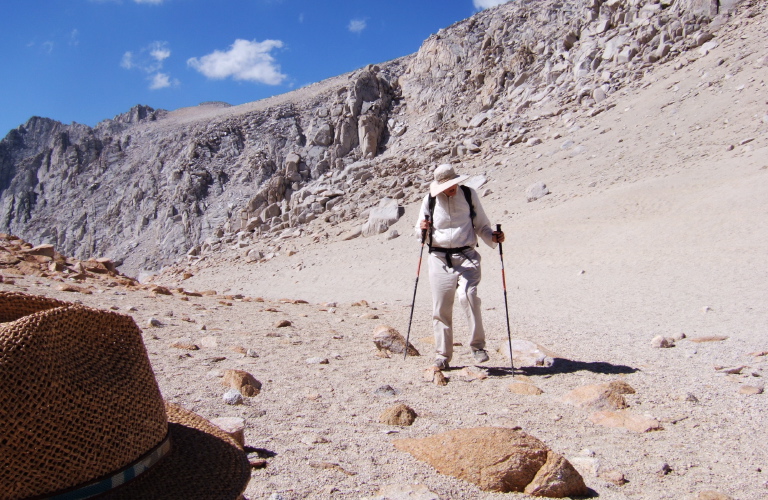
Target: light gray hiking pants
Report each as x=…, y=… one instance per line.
x=447, y=283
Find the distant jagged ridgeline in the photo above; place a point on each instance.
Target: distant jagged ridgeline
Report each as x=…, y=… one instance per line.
x=150, y=187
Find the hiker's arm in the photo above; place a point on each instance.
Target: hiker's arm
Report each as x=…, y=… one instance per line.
x=421, y=219
x=483, y=227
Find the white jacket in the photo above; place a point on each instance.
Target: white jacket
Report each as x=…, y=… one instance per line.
x=452, y=225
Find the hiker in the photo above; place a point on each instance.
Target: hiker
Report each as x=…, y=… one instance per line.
x=456, y=219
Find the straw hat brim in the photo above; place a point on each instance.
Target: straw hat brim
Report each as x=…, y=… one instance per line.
x=436, y=188
x=204, y=463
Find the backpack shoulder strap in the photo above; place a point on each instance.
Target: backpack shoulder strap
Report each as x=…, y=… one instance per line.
x=468, y=196
x=431, y=205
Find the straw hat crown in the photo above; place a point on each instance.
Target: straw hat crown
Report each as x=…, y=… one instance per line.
x=79, y=401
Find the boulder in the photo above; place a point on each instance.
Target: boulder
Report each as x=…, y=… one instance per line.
x=381, y=217
x=535, y=191
x=387, y=339
x=498, y=459
x=242, y=381
x=45, y=250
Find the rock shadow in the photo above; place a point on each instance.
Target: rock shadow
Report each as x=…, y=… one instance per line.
x=261, y=452
x=562, y=366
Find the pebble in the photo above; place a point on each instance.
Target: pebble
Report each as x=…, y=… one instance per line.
x=385, y=390
x=233, y=397
x=660, y=341
x=664, y=469
x=318, y=360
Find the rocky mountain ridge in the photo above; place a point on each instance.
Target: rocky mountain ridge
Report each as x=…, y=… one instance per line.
x=151, y=187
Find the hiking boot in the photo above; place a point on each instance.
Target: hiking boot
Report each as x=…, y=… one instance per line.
x=480, y=355
x=441, y=363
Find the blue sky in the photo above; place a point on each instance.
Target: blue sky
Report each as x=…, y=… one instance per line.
x=88, y=60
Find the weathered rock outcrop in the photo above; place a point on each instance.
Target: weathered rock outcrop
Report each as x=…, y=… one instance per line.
x=150, y=187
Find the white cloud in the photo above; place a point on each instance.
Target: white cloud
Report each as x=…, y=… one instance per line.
x=74, y=37
x=153, y=2
x=159, y=51
x=161, y=81
x=487, y=4
x=357, y=25
x=245, y=60
x=127, y=60
x=47, y=47
x=149, y=59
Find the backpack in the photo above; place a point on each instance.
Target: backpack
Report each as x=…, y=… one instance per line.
x=467, y=195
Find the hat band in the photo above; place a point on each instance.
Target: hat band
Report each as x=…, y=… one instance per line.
x=115, y=479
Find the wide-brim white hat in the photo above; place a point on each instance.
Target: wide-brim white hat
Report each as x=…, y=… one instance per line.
x=445, y=177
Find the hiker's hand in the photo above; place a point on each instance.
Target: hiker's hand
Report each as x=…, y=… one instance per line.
x=498, y=237
x=424, y=225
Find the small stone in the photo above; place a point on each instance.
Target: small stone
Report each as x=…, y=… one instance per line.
x=664, y=469
x=613, y=476
x=709, y=338
x=243, y=382
x=282, y=323
x=589, y=465
x=185, y=345
x=525, y=389
x=536, y=191
x=690, y=398
x=404, y=491
x=400, y=415
x=660, y=341
x=233, y=397
x=209, y=342
x=385, y=390
x=470, y=374
x=628, y=420
x=311, y=439
x=751, y=390
x=712, y=495
x=318, y=360
x=153, y=322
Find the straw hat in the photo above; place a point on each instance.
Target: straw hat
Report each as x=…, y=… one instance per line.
x=445, y=177
x=81, y=413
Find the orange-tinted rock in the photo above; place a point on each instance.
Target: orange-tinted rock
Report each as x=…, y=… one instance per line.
x=626, y=419
x=242, y=381
x=498, y=459
x=401, y=415
x=596, y=397
x=524, y=389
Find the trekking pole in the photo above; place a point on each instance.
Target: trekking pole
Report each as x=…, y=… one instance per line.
x=506, y=307
x=413, y=302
